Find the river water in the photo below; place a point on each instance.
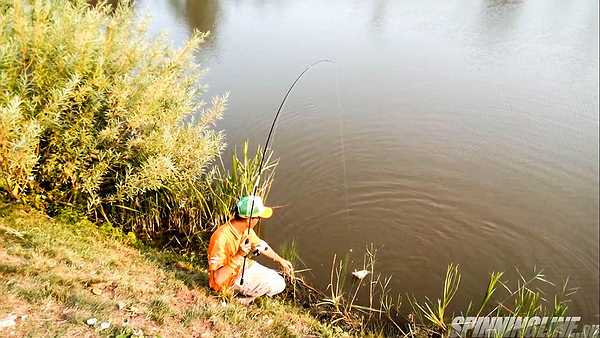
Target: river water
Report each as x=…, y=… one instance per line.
x=446, y=131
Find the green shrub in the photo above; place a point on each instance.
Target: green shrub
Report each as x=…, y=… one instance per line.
x=19, y=139
x=97, y=116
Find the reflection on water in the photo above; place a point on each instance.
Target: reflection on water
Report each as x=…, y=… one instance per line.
x=471, y=129
x=200, y=15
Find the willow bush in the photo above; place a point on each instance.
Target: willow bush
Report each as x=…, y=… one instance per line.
x=97, y=116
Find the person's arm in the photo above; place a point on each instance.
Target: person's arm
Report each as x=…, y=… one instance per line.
x=224, y=273
x=286, y=265
x=227, y=271
x=260, y=247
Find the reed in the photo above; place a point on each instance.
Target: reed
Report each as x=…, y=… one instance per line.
x=98, y=117
x=368, y=307
x=524, y=297
x=436, y=312
x=226, y=185
x=376, y=312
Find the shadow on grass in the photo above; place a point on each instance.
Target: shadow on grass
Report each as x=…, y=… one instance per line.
x=188, y=269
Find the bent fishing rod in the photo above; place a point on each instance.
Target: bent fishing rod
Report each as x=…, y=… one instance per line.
x=262, y=157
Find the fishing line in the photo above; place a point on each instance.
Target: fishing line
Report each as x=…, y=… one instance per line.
x=342, y=139
x=262, y=158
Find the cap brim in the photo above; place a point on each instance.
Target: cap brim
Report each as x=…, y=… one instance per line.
x=267, y=213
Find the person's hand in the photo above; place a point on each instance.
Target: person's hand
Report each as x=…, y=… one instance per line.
x=287, y=267
x=244, y=247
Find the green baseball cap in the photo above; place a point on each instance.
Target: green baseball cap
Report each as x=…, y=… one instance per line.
x=258, y=208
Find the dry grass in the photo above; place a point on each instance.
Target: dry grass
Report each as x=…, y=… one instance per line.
x=57, y=273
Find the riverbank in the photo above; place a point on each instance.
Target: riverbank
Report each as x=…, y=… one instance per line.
x=59, y=273
x=111, y=162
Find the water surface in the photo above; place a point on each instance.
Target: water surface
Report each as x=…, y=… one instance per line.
x=470, y=130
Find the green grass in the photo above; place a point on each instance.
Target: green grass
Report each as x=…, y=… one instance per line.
x=62, y=271
x=158, y=310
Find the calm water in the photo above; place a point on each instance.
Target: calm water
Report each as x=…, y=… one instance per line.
x=470, y=130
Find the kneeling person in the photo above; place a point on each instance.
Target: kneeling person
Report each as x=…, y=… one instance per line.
x=231, y=242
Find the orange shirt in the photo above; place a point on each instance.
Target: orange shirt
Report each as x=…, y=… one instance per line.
x=223, y=246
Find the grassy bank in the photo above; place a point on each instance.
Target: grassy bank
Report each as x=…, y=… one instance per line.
x=56, y=273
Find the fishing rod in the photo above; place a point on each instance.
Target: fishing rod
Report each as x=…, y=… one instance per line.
x=262, y=158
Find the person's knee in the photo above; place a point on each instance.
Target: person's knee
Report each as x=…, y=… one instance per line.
x=277, y=285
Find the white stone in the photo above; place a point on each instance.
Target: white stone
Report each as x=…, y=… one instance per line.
x=9, y=321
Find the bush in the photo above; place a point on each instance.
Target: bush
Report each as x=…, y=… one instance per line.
x=96, y=116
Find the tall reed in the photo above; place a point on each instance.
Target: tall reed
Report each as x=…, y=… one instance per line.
x=99, y=116
x=227, y=185
x=525, y=298
x=368, y=307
